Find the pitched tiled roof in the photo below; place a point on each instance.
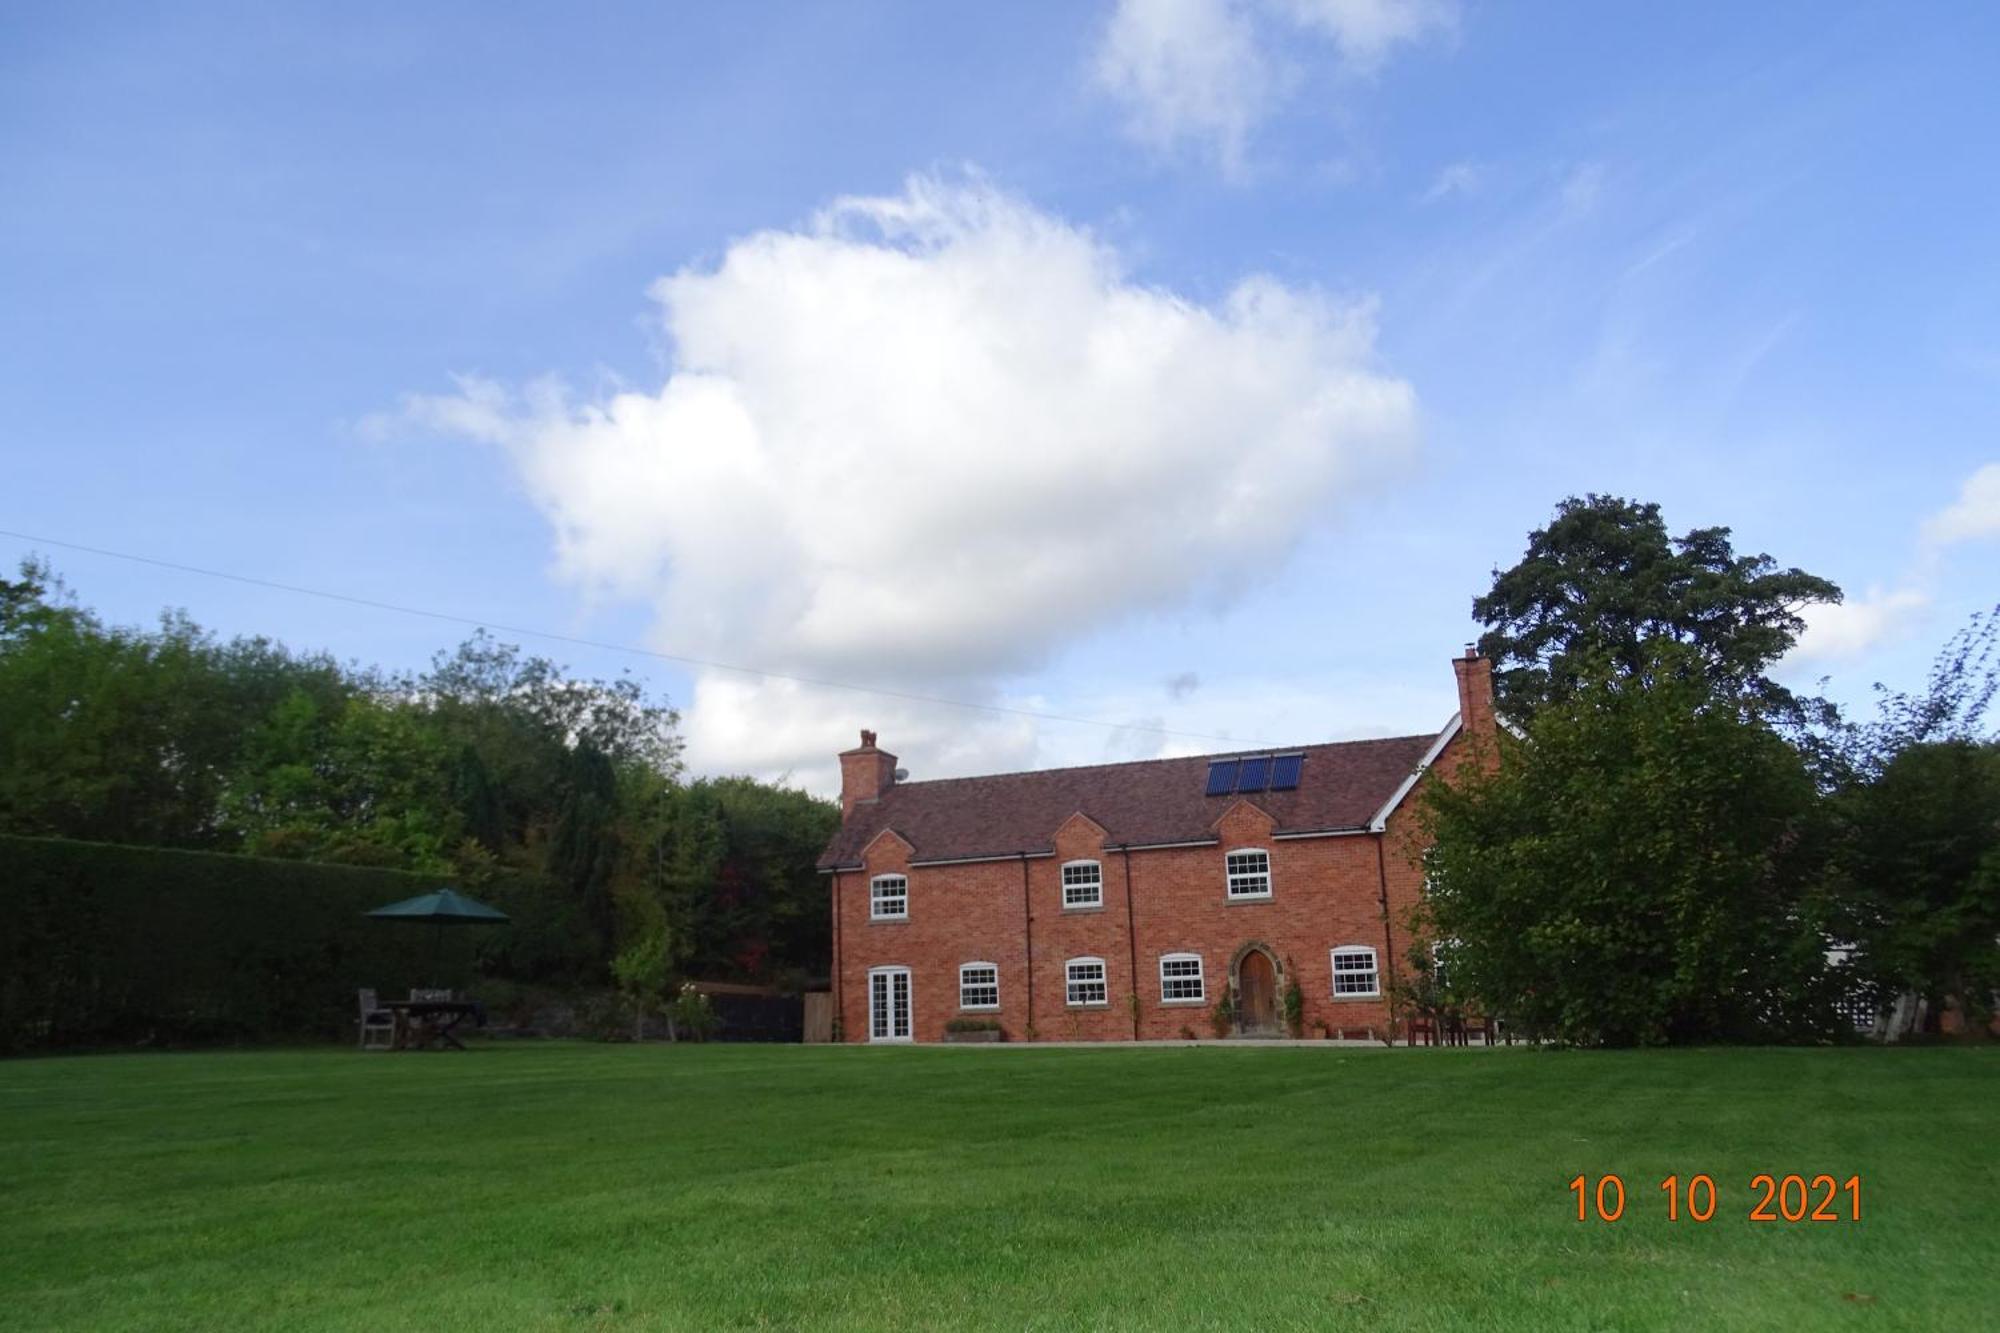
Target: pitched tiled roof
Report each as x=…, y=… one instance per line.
x=1152, y=801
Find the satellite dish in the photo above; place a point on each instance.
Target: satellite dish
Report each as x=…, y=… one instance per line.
x=902, y=775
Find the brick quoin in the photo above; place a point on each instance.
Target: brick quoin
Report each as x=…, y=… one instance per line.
x=1006, y=907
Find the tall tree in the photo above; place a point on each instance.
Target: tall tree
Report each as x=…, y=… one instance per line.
x=1640, y=869
x=1918, y=870
x=1920, y=882
x=583, y=848
x=736, y=860
x=1604, y=581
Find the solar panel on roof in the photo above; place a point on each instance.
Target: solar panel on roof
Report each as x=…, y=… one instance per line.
x=1222, y=777
x=1256, y=774
x=1285, y=771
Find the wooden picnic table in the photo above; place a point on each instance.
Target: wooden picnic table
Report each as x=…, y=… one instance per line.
x=428, y=1024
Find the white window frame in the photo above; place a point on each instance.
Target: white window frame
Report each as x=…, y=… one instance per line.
x=1232, y=877
x=1070, y=983
x=1199, y=978
x=876, y=898
x=1374, y=971
x=889, y=973
x=994, y=968
x=1096, y=885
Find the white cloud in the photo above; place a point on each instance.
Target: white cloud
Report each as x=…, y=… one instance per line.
x=1367, y=30
x=1206, y=72
x=1188, y=70
x=1835, y=632
x=925, y=442
x=1975, y=515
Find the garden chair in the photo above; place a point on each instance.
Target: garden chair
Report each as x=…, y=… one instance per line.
x=376, y=1021
x=419, y=993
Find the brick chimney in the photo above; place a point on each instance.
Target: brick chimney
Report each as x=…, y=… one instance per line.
x=1475, y=703
x=865, y=773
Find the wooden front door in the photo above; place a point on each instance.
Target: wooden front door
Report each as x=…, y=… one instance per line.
x=1257, y=992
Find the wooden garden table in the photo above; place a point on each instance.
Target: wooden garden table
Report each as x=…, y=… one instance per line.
x=426, y=1025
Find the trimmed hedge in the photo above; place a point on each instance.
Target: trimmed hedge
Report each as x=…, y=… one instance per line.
x=103, y=945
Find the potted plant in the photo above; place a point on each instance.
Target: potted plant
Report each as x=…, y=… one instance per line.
x=1222, y=1018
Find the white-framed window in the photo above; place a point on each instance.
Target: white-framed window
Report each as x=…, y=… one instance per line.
x=1087, y=984
x=978, y=986
x=1354, y=972
x=889, y=898
x=888, y=1004
x=1249, y=873
x=1083, y=884
x=1180, y=979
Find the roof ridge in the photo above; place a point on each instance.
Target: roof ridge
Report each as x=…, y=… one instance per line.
x=1175, y=759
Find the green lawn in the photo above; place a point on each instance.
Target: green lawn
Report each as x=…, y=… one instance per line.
x=575, y=1186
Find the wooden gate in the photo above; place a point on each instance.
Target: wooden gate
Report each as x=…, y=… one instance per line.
x=819, y=1015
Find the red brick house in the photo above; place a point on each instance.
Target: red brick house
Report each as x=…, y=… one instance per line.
x=1123, y=901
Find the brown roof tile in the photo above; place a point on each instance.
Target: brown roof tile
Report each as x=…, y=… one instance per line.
x=1152, y=801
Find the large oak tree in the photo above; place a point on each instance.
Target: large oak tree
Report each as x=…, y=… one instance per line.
x=1604, y=581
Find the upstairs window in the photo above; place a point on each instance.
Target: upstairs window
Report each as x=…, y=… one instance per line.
x=1082, y=884
x=889, y=898
x=1354, y=972
x=1249, y=874
x=1086, y=980
x=978, y=986
x=1180, y=979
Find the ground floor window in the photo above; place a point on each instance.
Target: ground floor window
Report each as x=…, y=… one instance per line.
x=889, y=1004
x=1180, y=979
x=978, y=986
x=1086, y=981
x=1354, y=971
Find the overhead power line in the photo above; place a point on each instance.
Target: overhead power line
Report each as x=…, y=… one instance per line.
x=602, y=646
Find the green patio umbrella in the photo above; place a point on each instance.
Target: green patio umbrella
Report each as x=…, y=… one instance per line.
x=444, y=907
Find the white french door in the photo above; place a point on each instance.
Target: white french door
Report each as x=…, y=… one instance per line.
x=889, y=1004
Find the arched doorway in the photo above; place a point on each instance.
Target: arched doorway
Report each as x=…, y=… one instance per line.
x=1256, y=993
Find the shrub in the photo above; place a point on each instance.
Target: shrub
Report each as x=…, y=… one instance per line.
x=1294, y=1002
x=694, y=1015
x=1222, y=1018
x=602, y=1016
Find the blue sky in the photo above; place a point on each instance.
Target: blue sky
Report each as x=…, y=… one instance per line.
x=1187, y=365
